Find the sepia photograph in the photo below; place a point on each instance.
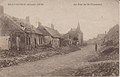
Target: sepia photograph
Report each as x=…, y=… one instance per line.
x=59, y=38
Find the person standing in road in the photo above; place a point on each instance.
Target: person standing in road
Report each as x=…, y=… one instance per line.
x=95, y=46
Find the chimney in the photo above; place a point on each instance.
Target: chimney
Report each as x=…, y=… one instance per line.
x=1, y=10
x=27, y=19
x=78, y=27
x=39, y=24
x=52, y=26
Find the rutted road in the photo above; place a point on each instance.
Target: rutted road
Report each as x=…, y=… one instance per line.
x=42, y=67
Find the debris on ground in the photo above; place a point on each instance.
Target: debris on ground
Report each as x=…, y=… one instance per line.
x=100, y=69
x=107, y=53
x=14, y=58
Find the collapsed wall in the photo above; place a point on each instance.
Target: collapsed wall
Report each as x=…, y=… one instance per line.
x=113, y=35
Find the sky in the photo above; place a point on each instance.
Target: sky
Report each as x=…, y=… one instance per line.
x=96, y=18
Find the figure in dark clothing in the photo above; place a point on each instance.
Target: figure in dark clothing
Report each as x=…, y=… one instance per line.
x=95, y=46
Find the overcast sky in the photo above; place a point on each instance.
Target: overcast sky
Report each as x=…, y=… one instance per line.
x=65, y=14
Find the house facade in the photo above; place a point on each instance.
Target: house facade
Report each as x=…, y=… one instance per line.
x=52, y=36
x=14, y=35
x=18, y=34
x=34, y=37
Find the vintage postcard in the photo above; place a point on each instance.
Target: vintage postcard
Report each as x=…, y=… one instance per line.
x=59, y=38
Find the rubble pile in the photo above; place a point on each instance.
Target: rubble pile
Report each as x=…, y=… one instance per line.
x=107, y=53
x=100, y=69
x=113, y=35
x=34, y=56
x=8, y=62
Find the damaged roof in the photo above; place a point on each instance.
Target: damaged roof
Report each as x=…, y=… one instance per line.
x=26, y=25
x=7, y=25
x=49, y=31
x=17, y=24
x=53, y=32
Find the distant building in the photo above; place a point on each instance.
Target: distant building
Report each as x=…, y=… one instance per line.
x=99, y=39
x=76, y=35
x=111, y=38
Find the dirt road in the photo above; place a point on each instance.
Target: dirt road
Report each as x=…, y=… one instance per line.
x=43, y=67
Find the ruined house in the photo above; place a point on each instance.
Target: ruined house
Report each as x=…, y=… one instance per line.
x=52, y=36
x=34, y=37
x=75, y=36
x=11, y=34
x=112, y=37
x=18, y=34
